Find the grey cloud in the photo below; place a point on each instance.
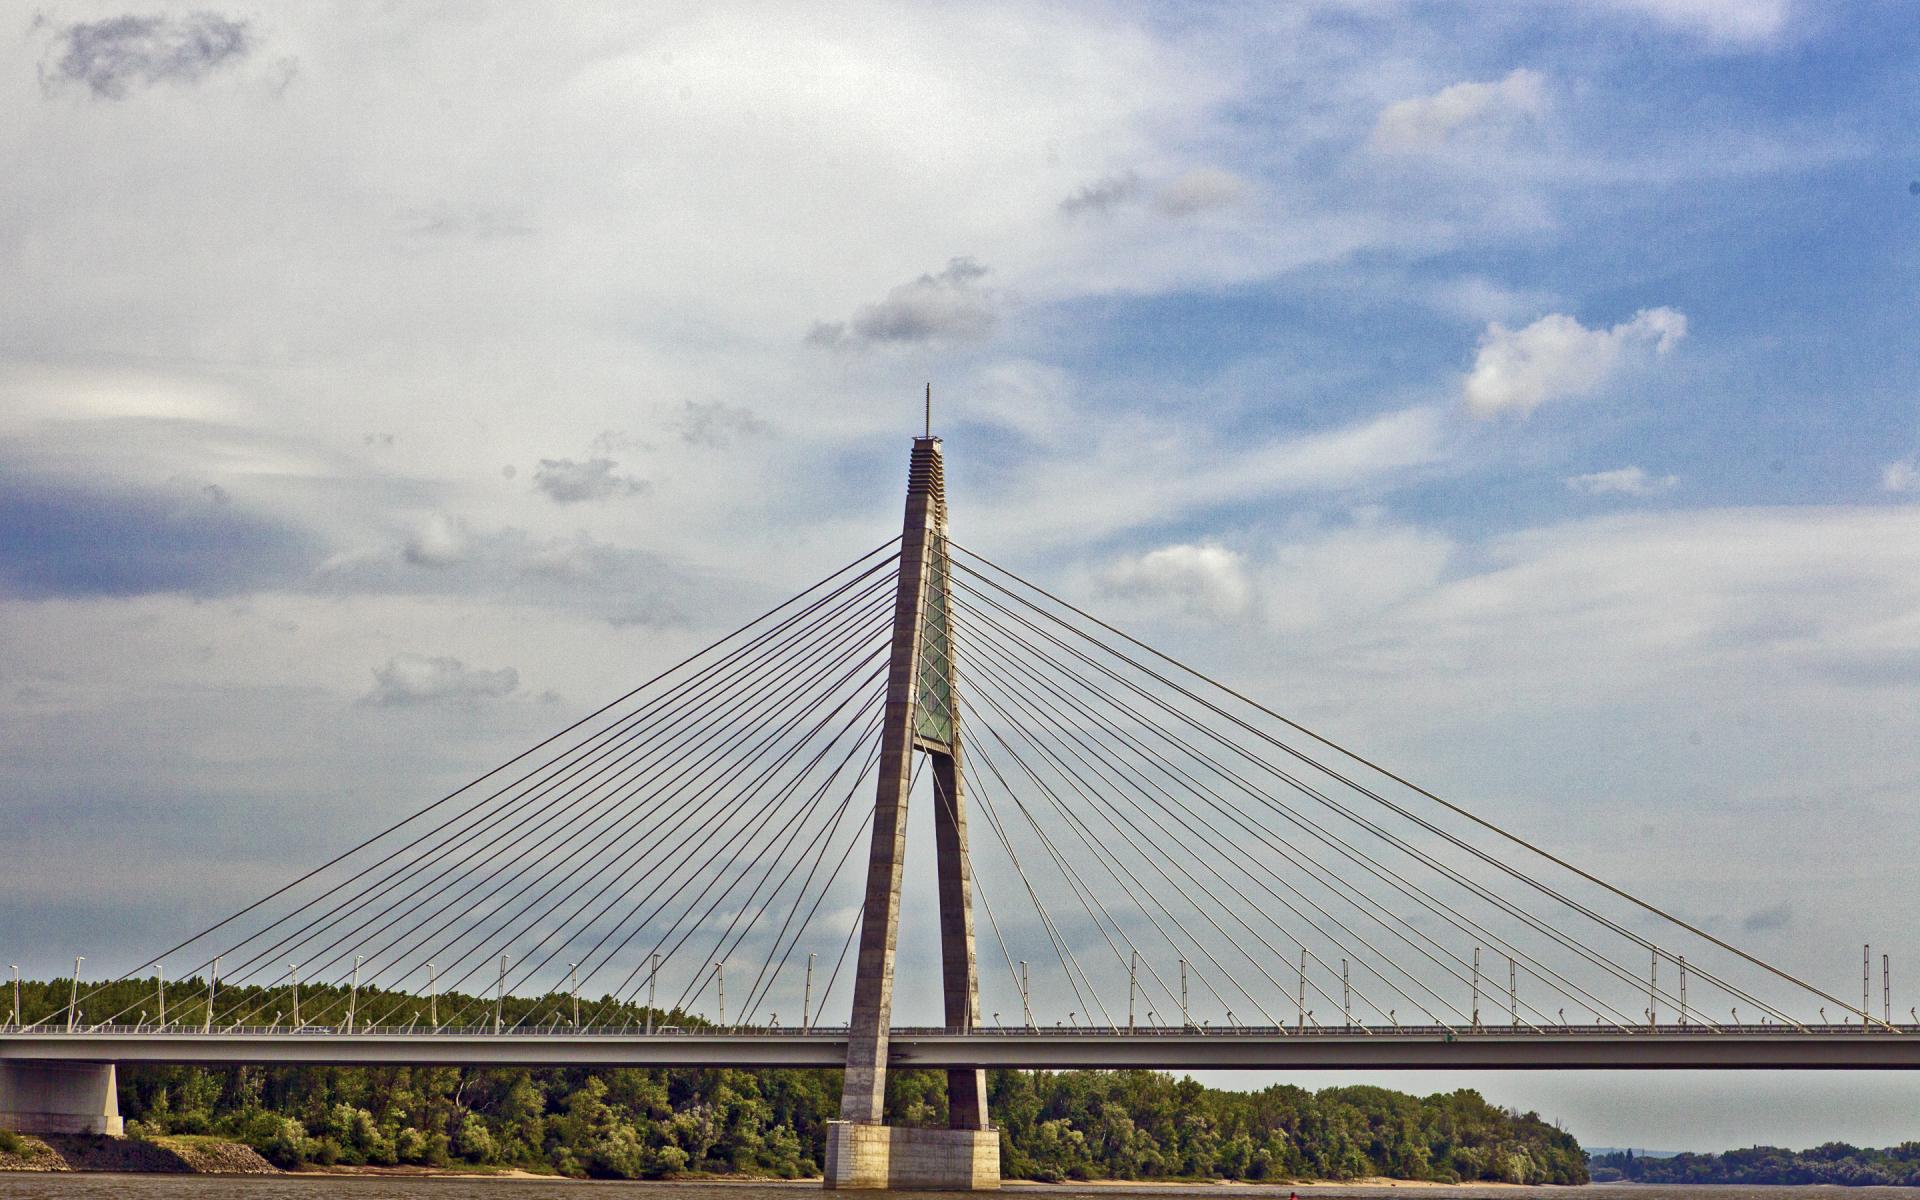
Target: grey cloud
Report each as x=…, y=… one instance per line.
x=69, y=540
x=609, y=442
x=570, y=481
x=411, y=679
x=1195, y=192
x=948, y=306
x=717, y=424
x=463, y=220
x=112, y=56
x=1766, y=919
x=1200, y=191
x=1102, y=196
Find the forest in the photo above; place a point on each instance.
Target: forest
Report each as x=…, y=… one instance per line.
x=635, y=1123
x=1833, y=1163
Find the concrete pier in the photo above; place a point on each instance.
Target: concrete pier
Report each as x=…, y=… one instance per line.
x=898, y=1157
x=60, y=1097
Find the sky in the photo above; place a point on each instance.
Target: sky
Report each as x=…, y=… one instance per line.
x=1526, y=393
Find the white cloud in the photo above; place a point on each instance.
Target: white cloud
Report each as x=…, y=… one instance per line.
x=439, y=541
x=1733, y=21
x=1427, y=123
x=1348, y=576
x=1030, y=398
x=1517, y=370
x=1622, y=481
x=446, y=557
x=1899, y=476
x=1133, y=474
x=1203, y=580
x=412, y=679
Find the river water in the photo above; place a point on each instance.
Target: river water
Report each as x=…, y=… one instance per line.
x=84, y=1186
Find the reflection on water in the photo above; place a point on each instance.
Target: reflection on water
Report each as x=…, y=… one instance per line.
x=81, y=1186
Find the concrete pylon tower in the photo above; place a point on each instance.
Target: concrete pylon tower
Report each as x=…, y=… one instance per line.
x=921, y=703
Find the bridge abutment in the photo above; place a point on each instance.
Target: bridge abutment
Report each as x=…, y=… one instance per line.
x=60, y=1097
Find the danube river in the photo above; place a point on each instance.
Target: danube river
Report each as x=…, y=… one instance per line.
x=85, y=1186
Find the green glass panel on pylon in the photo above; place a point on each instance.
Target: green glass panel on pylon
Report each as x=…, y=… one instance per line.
x=933, y=694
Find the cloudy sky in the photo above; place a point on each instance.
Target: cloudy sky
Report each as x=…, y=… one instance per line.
x=1528, y=393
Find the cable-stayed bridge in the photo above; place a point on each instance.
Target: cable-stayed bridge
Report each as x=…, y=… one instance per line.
x=1130, y=863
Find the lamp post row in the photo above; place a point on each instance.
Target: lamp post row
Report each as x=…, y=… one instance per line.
x=17, y=1015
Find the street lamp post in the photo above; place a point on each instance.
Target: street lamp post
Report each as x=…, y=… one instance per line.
x=73, y=993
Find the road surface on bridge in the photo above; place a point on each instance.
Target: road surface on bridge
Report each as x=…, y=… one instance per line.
x=1569, y=1047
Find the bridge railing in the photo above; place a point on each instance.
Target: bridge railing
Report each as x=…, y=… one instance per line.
x=150, y=1029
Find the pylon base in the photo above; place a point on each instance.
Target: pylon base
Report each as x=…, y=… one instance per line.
x=901, y=1158
x=60, y=1097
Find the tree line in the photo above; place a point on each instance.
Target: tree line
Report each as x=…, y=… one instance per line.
x=648, y=1123
x=1832, y=1163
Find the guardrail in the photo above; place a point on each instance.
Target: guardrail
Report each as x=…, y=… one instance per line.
x=836, y=1032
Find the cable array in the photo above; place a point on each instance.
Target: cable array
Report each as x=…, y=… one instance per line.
x=698, y=823
x=1164, y=852
x=1183, y=848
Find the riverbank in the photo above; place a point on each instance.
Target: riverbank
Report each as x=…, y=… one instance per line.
x=180, y=1155
x=193, y=1155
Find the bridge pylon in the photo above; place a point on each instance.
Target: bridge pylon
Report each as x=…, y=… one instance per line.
x=921, y=703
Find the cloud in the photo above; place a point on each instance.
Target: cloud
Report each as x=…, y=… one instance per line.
x=570, y=481
x=1348, y=575
x=1623, y=481
x=476, y=221
x=111, y=57
x=446, y=556
x=440, y=541
x=718, y=424
x=1034, y=400
x=63, y=539
x=1103, y=195
x=1765, y=920
x=1203, y=580
x=1901, y=476
x=1200, y=190
x=1427, y=123
x=1737, y=21
x=1517, y=370
x=950, y=306
x=409, y=680
x=1139, y=474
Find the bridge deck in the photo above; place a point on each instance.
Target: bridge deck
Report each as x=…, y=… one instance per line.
x=1560, y=1047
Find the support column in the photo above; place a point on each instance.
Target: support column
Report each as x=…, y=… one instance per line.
x=966, y=1088
x=60, y=1097
x=861, y=1151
